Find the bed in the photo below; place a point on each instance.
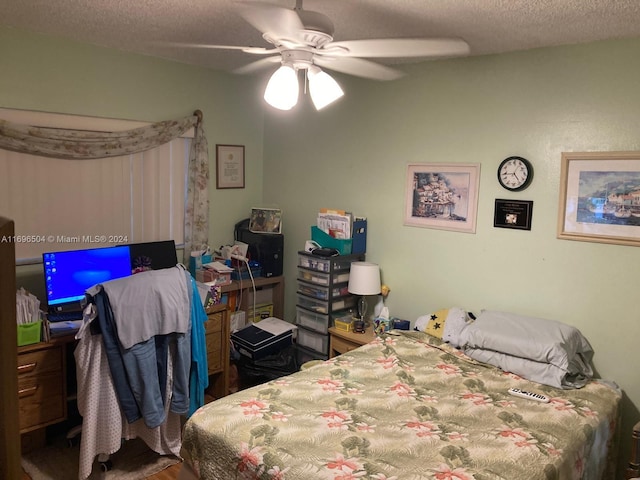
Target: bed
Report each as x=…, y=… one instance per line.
x=405, y=406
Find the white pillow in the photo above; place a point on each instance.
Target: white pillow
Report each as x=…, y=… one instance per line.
x=533, y=338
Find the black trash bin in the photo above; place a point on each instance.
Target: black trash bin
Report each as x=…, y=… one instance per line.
x=265, y=369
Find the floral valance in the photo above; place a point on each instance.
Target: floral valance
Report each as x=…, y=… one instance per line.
x=82, y=144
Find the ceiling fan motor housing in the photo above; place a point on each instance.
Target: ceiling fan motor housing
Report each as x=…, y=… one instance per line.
x=298, y=59
x=316, y=22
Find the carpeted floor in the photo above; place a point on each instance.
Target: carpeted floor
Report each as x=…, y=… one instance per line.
x=134, y=461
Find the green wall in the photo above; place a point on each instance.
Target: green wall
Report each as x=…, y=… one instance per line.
x=535, y=104
x=354, y=154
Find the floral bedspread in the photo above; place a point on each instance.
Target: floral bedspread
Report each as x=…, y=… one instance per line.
x=405, y=406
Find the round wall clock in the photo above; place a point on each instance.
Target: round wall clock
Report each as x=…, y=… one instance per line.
x=515, y=173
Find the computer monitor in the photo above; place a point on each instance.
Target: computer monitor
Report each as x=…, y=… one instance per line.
x=153, y=255
x=69, y=273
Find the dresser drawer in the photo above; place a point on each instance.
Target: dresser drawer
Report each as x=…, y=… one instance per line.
x=340, y=345
x=214, y=352
x=41, y=400
x=213, y=323
x=42, y=396
x=40, y=362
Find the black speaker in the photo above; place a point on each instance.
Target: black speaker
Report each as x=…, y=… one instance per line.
x=265, y=248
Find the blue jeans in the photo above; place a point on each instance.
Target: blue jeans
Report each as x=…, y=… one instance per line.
x=124, y=393
x=146, y=367
x=139, y=374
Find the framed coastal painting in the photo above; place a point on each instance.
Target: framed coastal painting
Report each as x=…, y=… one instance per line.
x=442, y=196
x=600, y=197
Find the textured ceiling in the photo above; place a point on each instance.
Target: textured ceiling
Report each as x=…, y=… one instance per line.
x=489, y=26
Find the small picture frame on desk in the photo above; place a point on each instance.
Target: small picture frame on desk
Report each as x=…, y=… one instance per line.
x=265, y=220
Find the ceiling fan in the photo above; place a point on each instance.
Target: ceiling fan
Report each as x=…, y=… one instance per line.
x=303, y=40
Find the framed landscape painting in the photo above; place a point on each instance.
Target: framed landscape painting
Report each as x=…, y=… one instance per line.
x=442, y=196
x=600, y=197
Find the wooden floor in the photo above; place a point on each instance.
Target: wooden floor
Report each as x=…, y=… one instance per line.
x=170, y=473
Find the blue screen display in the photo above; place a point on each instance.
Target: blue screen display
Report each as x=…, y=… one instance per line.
x=69, y=274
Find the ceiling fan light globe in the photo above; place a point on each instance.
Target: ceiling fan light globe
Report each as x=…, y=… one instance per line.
x=324, y=90
x=282, y=89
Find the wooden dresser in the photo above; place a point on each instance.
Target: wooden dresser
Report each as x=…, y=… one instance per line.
x=217, y=338
x=42, y=386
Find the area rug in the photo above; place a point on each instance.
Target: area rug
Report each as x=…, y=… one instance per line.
x=58, y=461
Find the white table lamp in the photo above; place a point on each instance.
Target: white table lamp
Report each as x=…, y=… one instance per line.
x=364, y=279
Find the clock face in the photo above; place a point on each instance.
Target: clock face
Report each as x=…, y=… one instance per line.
x=515, y=173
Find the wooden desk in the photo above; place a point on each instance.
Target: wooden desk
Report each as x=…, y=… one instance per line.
x=245, y=287
x=42, y=374
x=342, y=342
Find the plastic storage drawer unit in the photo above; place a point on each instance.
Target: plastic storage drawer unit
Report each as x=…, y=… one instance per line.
x=322, y=293
x=320, y=278
x=313, y=340
x=323, y=264
x=320, y=306
x=311, y=320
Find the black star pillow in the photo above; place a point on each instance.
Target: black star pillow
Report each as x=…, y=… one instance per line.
x=435, y=326
x=446, y=324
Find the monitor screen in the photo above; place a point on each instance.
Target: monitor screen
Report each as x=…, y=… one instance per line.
x=153, y=255
x=68, y=274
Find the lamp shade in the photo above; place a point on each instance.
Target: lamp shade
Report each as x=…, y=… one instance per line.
x=364, y=278
x=282, y=89
x=323, y=89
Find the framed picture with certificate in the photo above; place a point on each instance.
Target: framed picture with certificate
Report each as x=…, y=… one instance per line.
x=514, y=214
x=229, y=166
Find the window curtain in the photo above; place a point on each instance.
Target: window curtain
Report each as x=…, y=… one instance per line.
x=86, y=145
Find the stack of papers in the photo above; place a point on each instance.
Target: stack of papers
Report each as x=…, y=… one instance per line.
x=275, y=326
x=337, y=223
x=218, y=267
x=27, y=307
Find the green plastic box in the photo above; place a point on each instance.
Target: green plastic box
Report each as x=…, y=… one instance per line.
x=327, y=241
x=29, y=333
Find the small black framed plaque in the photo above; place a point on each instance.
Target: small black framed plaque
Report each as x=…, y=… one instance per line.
x=513, y=214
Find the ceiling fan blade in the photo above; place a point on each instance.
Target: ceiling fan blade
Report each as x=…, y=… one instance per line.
x=271, y=19
x=258, y=65
x=253, y=50
x=358, y=67
x=399, y=47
